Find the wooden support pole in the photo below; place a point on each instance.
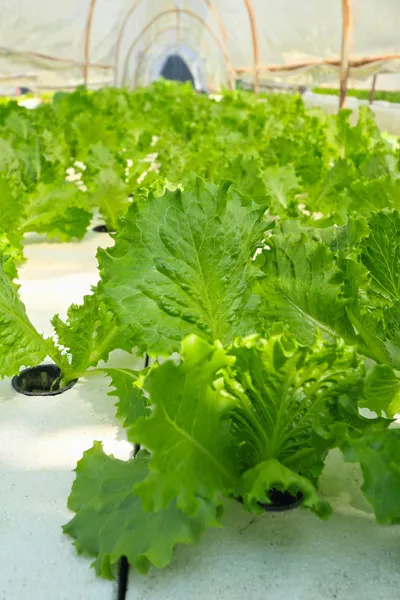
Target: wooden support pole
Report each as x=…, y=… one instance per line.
x=254, y=37
x=178, y=26
x=373, y=87
x=345, y=51
x=354, y=63
x=88, y=32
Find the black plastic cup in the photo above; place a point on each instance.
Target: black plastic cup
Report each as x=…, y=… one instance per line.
x=38, y=381
x=280, y=501
x=102, y=229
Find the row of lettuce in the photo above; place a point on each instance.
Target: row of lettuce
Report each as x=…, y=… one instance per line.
x=283, y=331
x=270, y=281
x=61, y=163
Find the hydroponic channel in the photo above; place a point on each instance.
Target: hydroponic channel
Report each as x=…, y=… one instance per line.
x=286, y=555
x=42, y=438
x=269, y=281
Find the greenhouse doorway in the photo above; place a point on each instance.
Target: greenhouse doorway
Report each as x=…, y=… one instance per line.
x=176, y=69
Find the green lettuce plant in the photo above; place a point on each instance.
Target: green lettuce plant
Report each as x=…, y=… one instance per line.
x=111, y=144
x=87, y=336
x=248, y=405
x=225, y=423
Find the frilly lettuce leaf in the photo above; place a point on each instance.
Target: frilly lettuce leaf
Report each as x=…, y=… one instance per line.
x=370, y=195
x=12, y=253
x=57, y=211
x=40, y=147
x=287, y=398
x=220, y=413
x=110, y=521
x=378, y=454
x=281, y=182
x=132, y=402
x=376, y=290
x=380, y=254
x=382, y=391
x=21, y=345
x=89, y=334
x=244, y=172
x=187, y=431
x=111, y=197
x=254, y=484
x=340, y=281
x=182, y=264
x=12, y=190
x=326, y=195
x=303, y=287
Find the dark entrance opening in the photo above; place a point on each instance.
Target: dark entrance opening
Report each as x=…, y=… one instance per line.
x=176, y=69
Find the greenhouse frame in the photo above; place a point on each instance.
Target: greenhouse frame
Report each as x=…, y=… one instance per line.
x=200, y=300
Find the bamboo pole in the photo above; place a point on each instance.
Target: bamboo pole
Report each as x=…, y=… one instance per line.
x=354, y=63
x=218, y=18
x=345, y=50
x=254, y=36
x=220, y=44
x=120, y=36
x=88, y=32
x=42, y=56
x=178, y=26
x=373, y=88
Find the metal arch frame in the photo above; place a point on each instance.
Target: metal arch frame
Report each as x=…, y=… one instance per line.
x=190, y=13
x=254, y=36
x=130, y=13
x=159, y=33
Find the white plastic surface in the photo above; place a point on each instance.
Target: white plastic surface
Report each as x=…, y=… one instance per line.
x=41, y=440
x=290, y=555
x=387, y=114
x=30, y=103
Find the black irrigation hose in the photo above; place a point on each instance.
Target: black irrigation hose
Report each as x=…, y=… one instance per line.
x=136, y=447
x=123, y=578
x=123, y=573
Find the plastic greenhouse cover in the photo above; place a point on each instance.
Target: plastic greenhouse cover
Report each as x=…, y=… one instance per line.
x=50, y=42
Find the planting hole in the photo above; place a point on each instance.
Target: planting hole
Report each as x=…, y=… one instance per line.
x=280, y=501
x=43, y=380
x=102, y=229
